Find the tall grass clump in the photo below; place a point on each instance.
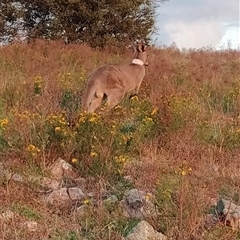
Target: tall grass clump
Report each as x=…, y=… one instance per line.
x=112, y=141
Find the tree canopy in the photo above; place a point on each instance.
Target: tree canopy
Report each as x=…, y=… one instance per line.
x=97, y=22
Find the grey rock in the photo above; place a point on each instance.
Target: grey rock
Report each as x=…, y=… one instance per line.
x=8, y=215
x=14, y=176
x=135, y=198
x=209, y=221
x=65, y=196
x=129, y=178
x=48, y=183
x=58, y=197
x=229, y=212
x=81, y=182
x=76, y=194
x=31, y=226
x=18, y=178
x=144, y=231
x=137, y=204
x=61, y=169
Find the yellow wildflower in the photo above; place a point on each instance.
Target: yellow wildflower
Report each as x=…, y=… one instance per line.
x=121, y=159
x=82, y=119
x=33, y=150
x=4, y=122
x=154, y=111
x=147, y=196
x=117, y=107
x=147, y=119
x=93, y=154
x=113, y=129
x=74, y=160
x=86, y=201
x=57, y=129
x=134, y=98
x=92, y=119
x=167, y=193
x=38, y=80
x=125, y=138
x=183, y=173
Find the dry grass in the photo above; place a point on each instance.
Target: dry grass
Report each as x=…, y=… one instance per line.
x=186, y=152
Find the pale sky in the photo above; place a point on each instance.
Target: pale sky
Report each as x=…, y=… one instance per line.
x=199, y=23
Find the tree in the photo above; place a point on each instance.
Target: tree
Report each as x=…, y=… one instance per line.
x=97, y=22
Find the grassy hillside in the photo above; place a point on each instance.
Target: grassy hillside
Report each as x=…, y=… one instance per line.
x=179, y=139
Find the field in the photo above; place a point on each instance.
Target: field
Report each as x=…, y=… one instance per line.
x=178, y=139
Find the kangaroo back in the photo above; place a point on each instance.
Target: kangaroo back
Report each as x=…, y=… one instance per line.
x=114, y=81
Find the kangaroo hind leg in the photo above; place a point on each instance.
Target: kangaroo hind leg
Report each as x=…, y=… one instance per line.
x=114, y=97
x=96, y=102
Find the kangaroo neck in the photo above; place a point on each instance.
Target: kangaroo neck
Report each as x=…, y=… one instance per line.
x=137, y=62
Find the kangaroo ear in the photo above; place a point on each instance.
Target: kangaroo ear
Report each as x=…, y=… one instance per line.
x=133, y=47
x=140, y=47
x=144, y=48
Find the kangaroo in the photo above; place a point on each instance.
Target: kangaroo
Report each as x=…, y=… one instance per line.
x=114, y=81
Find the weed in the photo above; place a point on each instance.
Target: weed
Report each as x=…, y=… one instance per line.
x=37, y=85
x=26, y=211
x=214, y=133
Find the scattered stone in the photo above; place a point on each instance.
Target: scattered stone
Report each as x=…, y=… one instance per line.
x=81, y=182
x=61, y=169
x=137, y=204
x=76, y=194
x=210, y=221
x=18, y=178
x=129, y=178
x=58, y=197
x=65, y=196
x=48, y=183
x=135, y=198
x=229, y=213
x=144, y=231
x=32, y=226
x=6, y=216
x=13, y=176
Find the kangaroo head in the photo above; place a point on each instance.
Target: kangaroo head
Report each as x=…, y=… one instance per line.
x=141, y=53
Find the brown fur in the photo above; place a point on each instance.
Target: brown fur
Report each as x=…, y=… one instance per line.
x=114, y=81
